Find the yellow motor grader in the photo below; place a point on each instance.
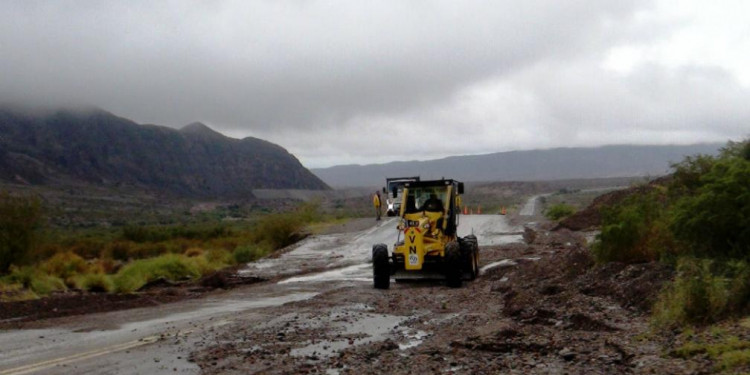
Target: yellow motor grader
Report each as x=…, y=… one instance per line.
x=427, y=245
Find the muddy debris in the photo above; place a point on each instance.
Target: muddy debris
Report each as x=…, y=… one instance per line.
x=539, y=307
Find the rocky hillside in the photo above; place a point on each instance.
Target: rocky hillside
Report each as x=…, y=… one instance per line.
x=97, y=147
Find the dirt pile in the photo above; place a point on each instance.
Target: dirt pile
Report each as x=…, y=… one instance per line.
x=590, y=217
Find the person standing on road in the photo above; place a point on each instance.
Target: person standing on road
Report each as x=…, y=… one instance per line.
x=376, y=203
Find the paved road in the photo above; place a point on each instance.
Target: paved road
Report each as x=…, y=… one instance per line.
x=160, y=339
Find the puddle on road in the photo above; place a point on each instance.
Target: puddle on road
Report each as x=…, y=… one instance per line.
x=364, y=328
x=353, y=327
x=358, y=272
x=223, y=307
x=414, y=339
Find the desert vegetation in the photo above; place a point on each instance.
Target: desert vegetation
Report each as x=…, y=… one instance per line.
x=37, y=259
x=20, y=219
x=559, y=211
x=697, y=221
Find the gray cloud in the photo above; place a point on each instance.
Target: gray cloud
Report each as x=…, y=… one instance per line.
x=345, y=81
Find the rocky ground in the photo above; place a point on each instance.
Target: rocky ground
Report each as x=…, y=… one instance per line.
x=541, y=307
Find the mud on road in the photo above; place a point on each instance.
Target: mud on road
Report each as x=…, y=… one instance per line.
x=540, y=308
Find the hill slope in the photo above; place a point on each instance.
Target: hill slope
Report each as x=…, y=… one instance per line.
x=533, y=165
x=94, y=146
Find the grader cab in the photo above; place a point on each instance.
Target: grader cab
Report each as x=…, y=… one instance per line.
x=427, y=245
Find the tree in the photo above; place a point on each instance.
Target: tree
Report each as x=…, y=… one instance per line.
x=20, y=220
x=715, y=220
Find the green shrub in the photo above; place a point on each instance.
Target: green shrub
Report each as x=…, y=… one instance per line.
x=94, y=282
x=169, y=266
x=559, y=211
x=732, y=359
x=218, y=258
x=88, y=248
x=193, y=252
x=65, y=265
x=106, y=265
x=20, y=220
x=119, y=250
x=709, y=218
x=148, y=250
x=277, y=230
x=309, y=212
x=695, y=296
x=687, y=174
x=35, y=280
x=715, y=219
x=634, y=230
x=704, y=291
x=15, y=292
x=728, y=352
x=704, y=212
x=249, y=253
x=141, y=234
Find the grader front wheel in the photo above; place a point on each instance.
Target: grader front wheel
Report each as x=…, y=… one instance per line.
x=470, y=253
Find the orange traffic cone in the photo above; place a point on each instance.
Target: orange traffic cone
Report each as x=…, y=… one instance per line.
x=503, y=212
x=466, y=210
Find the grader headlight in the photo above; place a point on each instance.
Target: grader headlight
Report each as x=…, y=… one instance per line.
x=401, y=225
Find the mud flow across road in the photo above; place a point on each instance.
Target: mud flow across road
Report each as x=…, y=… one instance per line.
x=161, y=339
x=539, y=306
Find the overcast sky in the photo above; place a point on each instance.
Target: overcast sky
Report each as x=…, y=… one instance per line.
x=341, y=82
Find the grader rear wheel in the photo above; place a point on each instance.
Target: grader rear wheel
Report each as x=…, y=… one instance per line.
x=381, y=271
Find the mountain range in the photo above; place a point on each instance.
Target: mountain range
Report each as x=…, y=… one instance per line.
x=96, y=147
x=531, y=165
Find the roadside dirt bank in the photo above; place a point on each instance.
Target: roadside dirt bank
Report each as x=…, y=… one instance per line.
x=539, y=308
x=22, y=314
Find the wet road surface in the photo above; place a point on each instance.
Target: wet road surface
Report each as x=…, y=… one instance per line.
x=160, y=339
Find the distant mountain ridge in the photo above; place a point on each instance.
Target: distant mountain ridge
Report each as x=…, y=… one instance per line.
x=531, y=165
x=97, y=147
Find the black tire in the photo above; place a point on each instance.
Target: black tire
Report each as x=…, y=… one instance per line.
x=470, y=261
x=381, y=271
x=472, y=245
x=452, y=265
x=469, y=254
